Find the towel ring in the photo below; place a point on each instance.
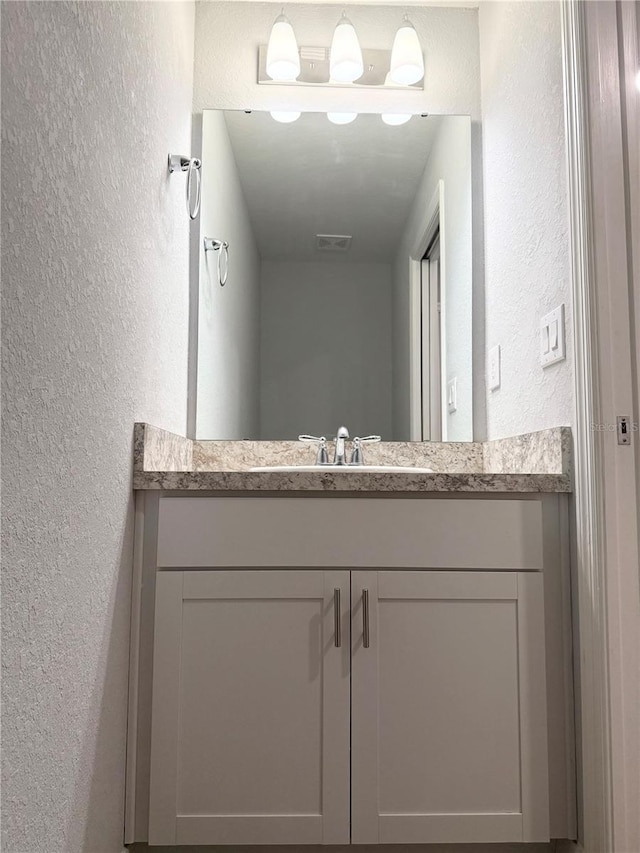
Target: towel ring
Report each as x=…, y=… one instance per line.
x=190, y=165
x=222, y=248
x=194, y=168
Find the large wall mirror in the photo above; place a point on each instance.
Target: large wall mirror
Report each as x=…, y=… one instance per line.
x=348, y=293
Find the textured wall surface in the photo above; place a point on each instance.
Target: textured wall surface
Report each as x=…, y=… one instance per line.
x=525, y=216
x=95, y=304
x=325, y=349
x=228, y=317
x=449, y=161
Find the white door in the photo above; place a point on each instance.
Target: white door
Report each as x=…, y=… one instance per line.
x=250, y=715
x=448, y=708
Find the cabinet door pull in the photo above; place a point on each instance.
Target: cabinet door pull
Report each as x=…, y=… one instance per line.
x=365, y=618
x=337, y=615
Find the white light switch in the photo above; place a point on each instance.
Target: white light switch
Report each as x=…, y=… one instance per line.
x=552, y=344
x=494, y=368
x=452, y=395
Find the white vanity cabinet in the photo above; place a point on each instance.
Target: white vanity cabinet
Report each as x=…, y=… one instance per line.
x=402, y=690
x=449, y=737
x=250, y=715
x=252, y=719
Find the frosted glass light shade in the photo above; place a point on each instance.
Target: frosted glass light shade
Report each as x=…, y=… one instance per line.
x=407, y=62
x=283, y=57
x=285, y=116
x=638, y=81
x=342, y=118
x=345, y=57
x=396, y=119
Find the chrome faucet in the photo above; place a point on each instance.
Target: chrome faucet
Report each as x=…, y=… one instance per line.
x=341, y=454
x=340, y=457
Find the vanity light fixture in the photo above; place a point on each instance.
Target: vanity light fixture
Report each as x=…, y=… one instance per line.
x=283, y=56
x=285, y=116
x=345, y=58
x=407, y=62
x=343, y=65
x=396, y=119
x=342, y=118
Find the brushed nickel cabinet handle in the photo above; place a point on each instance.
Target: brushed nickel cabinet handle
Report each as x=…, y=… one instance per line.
x=365, y=618
x=337, y=615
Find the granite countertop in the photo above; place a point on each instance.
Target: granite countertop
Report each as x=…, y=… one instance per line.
x=535, y=462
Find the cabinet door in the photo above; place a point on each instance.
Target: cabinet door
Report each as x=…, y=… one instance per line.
x=250, y=714
x=449, y=708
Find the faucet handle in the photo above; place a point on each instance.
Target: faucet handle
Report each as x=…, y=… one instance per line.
x=323, y=455
x=357, y=457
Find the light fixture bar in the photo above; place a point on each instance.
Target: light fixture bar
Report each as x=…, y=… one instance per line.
x=314, y=70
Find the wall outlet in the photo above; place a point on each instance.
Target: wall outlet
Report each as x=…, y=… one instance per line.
x=552, y=342
x=494, y=368
x=452, y=395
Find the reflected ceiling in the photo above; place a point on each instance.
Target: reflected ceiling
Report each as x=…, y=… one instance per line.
x=313, y=177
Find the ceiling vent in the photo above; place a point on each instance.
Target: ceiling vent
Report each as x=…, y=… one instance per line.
x=333, y=242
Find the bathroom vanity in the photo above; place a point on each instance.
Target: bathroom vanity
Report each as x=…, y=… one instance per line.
x=343, y=657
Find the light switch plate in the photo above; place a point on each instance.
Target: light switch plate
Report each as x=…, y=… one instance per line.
x=552, y=342
x=452, y=395
x=494, y=368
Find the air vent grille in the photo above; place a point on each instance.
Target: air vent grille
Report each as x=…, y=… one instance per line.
x=333, y=242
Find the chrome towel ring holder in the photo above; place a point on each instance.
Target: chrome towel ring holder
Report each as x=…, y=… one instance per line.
x=192, y=166
x=222, y=248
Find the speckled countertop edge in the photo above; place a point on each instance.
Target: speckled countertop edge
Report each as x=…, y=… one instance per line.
x=551, y=450
x=277, y=481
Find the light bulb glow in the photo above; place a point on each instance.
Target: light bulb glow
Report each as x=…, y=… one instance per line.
x=396, y=119
x=285, y=116
x=345, y=57
x=407, y=62
x=283, y=57
x=342, y=118
x=638, y=81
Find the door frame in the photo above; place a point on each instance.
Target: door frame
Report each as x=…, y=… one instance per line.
x=433, y=404
x=434, y=220
x=606, y=500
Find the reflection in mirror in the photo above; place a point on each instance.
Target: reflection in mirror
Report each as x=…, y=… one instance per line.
x=348, y=296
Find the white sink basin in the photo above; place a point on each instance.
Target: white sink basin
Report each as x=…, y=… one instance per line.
x=346, y=469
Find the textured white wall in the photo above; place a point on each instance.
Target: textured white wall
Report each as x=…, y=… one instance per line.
x=95, y=303
x=228, y=317
x=449, y=161
x=525, y=214
x=325, y=349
